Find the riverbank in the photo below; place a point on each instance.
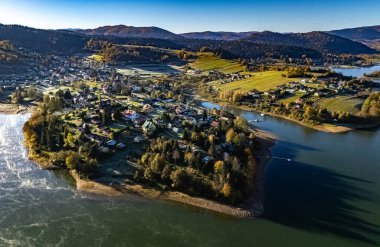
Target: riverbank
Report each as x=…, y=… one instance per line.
x=325, y=127
x=252, y=207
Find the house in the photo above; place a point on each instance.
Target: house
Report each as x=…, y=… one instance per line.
x=120, y=145
x=215, y=124
x=111, y=143
x=149, y=127
x=147, y=108
x=207, y=159
x=130, y=115
x=139, y=139
x=103, y=149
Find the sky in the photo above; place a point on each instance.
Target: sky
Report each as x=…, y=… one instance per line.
x=194, y=15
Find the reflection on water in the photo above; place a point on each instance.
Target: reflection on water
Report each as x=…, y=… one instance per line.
x=357, y=71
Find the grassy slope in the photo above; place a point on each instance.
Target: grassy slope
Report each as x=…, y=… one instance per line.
x=261, y=81
x=208, y=61
x=342, y=103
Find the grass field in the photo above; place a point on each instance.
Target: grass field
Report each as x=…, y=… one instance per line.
x=342, y=103
x=292, y=98
x=261, y=81
x=208, y=61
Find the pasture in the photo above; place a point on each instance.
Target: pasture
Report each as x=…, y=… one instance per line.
x=342, y=103
x=208, y=61
x=262, y=81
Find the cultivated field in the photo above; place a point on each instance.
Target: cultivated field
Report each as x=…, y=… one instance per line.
x=342, y=103
x=208, y=61
x=261, y=81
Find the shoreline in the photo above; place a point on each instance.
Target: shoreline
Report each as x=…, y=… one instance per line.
x=251, y=207
x=325, y=127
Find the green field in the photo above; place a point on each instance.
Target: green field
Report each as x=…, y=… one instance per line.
x=261, y=81
x=342, y=103
x=292, y=98
x=208, y=61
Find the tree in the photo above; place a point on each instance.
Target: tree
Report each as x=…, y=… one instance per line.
x=70, y=140
x=241, y=124
x=179, y=178
x=227, y=190
x=310, y=113
x=219, y=167
x=230, y=135
x=211, y=150
x=176, y=156
x=204, y=114
x=73, y=161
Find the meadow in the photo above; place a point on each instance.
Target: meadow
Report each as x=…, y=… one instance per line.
x=208, y=61
x=342, y=103
x=262, y=81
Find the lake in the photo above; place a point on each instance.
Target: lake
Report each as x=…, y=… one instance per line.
x=357, y=71
x=328, y=196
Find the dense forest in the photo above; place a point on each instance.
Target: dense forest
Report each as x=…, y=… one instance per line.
x=320, y=41
x=371, y=105
x=138, y=54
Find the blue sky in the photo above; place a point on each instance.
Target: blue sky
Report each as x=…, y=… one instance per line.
x=194, y=15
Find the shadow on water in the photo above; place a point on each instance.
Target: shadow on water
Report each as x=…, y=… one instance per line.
x=314, y=198
x=292, y=148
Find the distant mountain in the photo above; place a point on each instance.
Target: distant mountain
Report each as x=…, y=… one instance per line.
x=217, y=35
x=359, y=33
x=320, y=41
x=369, y=36
x=131, y=32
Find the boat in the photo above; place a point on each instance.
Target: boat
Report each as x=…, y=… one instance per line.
x=253, y=121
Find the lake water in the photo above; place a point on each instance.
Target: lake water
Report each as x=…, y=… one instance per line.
x=357, y=71
x=328, y=196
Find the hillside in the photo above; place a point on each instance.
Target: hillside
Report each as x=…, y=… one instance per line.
x=217, y=35
x=208, y=61
x=43, y=41
x=245, y=49
x=8, y=53
x=320, y=41
x=369, y=36
x=131, y=32
x=359, y=33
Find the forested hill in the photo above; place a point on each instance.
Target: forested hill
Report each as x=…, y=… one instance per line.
x=247, y=50
x=43, y=41
x=320, y=41
x=208, y=35
x=131, y=32
x=359, y=33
